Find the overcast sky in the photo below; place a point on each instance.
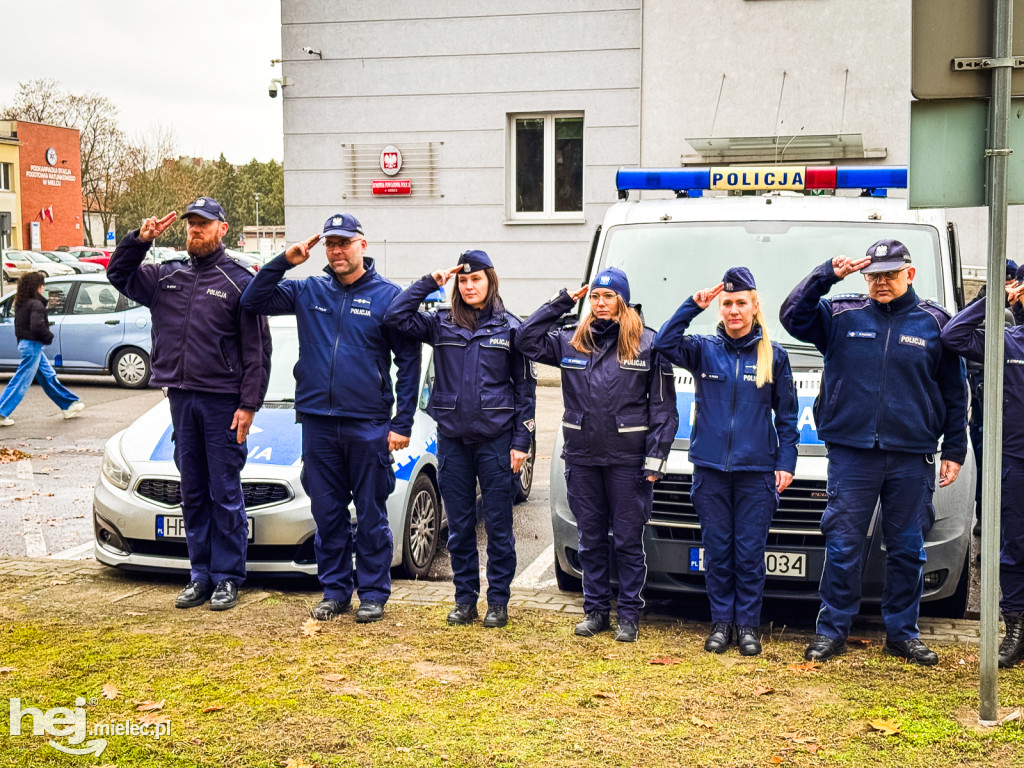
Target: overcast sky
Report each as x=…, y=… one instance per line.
x=199, y=68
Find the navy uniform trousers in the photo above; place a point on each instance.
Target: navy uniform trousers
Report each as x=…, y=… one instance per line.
x=617, y=498
x=461, y=464
x=1011, y=557
x=345, y=459
x=735, y=511
x=857, y=479
x=209, y=458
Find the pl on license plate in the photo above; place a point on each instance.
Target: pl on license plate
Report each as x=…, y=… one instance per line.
x=792, y=564
x=173, y=527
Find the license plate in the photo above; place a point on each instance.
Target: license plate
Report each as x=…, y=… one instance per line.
x=173, y=527
x=792, y=564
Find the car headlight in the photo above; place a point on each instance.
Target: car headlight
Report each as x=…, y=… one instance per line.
x=115, y=469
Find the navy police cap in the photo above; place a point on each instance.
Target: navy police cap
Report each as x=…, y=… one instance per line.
x=738, y=279
x=614, y=279
x=886, y=255
x=474, y=261
x=343, y=225
x=206, y=207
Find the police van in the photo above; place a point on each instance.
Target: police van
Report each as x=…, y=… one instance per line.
x=781, y=222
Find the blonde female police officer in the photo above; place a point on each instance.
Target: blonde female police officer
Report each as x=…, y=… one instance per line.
x=743, y=458
x=620, y=419
x=483, y=402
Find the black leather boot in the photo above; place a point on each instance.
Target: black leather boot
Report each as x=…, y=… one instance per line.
x=1011, y=650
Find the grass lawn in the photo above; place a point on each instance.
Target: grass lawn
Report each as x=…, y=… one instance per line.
x=411, y=691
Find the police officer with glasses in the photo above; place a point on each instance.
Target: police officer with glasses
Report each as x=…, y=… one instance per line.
x=344, y=400
x=483, y=401
x=619, y=422
x=890, y=391
x=965, y=335
x=743, y=456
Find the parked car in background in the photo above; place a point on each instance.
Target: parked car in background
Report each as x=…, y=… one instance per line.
x=42, y=263
x=99, y=256
x=15, y=265
x=80, y=267
x=95, y=330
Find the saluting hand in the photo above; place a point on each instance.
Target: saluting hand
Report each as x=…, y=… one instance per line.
x=299, y=252
x=703, y=299
x=782, y=480
x=442, y=276
x=1014, y=289
x=153, y=227
x=579, y=293
x=844, y=265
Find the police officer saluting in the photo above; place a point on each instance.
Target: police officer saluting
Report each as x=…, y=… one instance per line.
x=483, y=402
x=889, y=392
x=619, y=422
x=214, y=358
x=965, y=335
x=343, y=397
x=742, y=459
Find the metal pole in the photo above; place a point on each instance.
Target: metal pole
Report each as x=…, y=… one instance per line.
x=992, y=436
x=257, y=196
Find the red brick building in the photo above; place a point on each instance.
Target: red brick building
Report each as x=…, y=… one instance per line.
x=51, y=185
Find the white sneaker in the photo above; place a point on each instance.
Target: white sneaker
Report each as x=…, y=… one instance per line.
x=6, y=421
x=74, y=409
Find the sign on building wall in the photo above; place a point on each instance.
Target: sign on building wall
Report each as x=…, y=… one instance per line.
x=409, y=169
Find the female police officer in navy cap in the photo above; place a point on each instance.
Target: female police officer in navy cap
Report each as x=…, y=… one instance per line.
x=619, y=423
x=483, y=402
x=742, y=460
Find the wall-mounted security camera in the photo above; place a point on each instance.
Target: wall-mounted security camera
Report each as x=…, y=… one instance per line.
x=312, y=51
x=276, y=83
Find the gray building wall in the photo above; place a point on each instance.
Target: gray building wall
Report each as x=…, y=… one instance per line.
x=646, y=74
x=415, y=71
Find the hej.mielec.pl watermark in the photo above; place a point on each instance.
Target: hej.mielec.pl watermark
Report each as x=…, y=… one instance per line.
x=70, y=723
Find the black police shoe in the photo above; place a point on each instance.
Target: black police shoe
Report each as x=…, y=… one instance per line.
x=912, y=650
x=462, y=613
x=596, y=621
x=327, y=609
x=1011, y=650
x=823, y=648
x=196, y=593
x=369, y=611
x=496, y=616
x=746, y=639
x=720, y=637
x=224, y=596
x=627, y=631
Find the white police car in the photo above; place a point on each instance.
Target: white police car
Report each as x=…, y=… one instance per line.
x=781, y=222
x=136, y=504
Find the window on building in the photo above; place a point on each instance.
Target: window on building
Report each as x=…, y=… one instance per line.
x=5, y=177
x=546, y=162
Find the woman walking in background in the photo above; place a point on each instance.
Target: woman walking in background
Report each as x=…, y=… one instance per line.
x=32, y=330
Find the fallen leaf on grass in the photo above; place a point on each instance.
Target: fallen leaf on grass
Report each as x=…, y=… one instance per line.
x=861, y=641
x=334, y=677
x=110, y=691
x=776, y=759
x=609, y=657
x=149, y=706
x=605, y=695
x=310, y=627
x=214, y=708
x=1015, y=715
x=812, y=748
x=885, y=727
x=808, y=666
x=403, y=749
x=5, y=670
x=702, y=723
x=762, y=691
x=154, y=719
x=665, y=660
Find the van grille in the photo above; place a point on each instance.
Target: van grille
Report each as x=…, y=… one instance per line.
x=797, y=521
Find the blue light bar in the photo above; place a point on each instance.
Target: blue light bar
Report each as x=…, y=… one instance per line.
x=867, y=177
x=675, y=179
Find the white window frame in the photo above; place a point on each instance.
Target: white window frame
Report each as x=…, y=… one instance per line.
x=549, y=215
x=6, y=172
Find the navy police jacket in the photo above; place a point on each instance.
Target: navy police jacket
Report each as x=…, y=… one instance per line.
x=484, y=386
x=888, y=381
x=733, y=430
x=965, y=335
x=345, y=350
x=203, y=339
x=615, y=411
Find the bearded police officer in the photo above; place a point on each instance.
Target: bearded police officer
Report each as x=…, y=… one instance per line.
x=214, y=358
x=890, y=391
x=343, y=397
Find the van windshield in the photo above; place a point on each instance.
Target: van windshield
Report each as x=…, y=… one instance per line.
x=668, y=262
